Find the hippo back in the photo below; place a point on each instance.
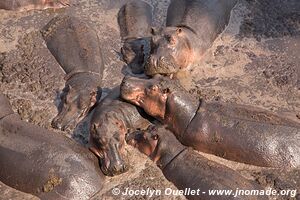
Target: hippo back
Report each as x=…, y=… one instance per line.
x=206, y=18
x=45, y=163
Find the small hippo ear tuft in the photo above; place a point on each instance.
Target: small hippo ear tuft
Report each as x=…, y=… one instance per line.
x=154, y=88
x=179, y=30
x=93, y=97
x=166, y=91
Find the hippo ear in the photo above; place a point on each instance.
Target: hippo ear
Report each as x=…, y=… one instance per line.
x=178, y=30
x=93, y=97
x=154, y=88
x=154, y=31
x=97, y=152
x=166, y=91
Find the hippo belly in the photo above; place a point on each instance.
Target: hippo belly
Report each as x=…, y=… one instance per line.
x=45, y=163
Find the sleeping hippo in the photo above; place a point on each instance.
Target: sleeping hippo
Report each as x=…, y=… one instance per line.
x=44, y=163
x=21, y=5
x=76, y=48
x=135, y=21
x=191, y=28
x=235, y=132
x=187, y=169
x=111, y=120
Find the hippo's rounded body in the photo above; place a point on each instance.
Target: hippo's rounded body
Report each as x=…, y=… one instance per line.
x=76, y=48
x=135, y=22
x=111, y=119
x=191, y=28
x=245, y=134
x=185, y=168
x=236, y=132
x=44, y=163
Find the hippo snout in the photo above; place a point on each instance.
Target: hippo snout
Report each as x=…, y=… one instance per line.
x=119, y=168
x=61, y=124
x=160, y=64
x=115, y=168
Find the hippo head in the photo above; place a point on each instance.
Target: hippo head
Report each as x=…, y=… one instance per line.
x=107, y=139
x=135, y=53
x=74, y=105
x=147, y=94
x=171, y=51
x=162, y=98
x=155, y=143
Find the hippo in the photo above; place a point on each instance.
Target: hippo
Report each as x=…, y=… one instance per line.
x=235, y=132
x=22, y=5
x=44, y=163
x=111, y=119
x=76, y=48
x=135, y=22
x=187, y=169
x=191, y=28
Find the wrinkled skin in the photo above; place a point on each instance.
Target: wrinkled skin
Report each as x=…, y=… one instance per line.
x=135, y=53
x=171, y=51
x=235, y=132
x=135, y=21
x=186, y=168
x=44, y=163
x=191, y=28
x=21, y=5
x=111, y=120
x=145, y=94
x=76, y=48
x=75, y=103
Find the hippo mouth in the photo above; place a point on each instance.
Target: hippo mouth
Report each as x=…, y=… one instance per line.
x=111, y=162
x=64, y=123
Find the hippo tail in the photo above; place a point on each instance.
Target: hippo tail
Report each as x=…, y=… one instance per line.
x=5, y=107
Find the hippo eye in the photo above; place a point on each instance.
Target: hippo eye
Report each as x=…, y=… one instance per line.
x=155, y=137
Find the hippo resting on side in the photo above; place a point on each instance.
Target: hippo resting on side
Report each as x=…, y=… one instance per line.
x=76, y=48
x=44, y=163
x=192, y=26
x=135, y=21
x=111, y=119
x=21, y=5
x=240, y=133
x=188, y=169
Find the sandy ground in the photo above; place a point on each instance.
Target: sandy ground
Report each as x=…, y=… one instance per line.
x=255, y=61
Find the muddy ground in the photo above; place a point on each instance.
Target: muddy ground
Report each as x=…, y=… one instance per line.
x=255, y=61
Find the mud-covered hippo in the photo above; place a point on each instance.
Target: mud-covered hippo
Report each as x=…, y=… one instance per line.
x=192, y=26
x=235, y=132
x=135, y=21
x=76, y=48
x=44, y=163
x=188, y=169
x=21, y=5
x=111, y=120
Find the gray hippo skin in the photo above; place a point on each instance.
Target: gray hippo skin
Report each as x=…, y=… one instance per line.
x=76, y=48
x=192, y=26
x=44, y=163
x=135, y=22
x=235, y=132
x=111, y=119
x=21, y=5
x=187, y=169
